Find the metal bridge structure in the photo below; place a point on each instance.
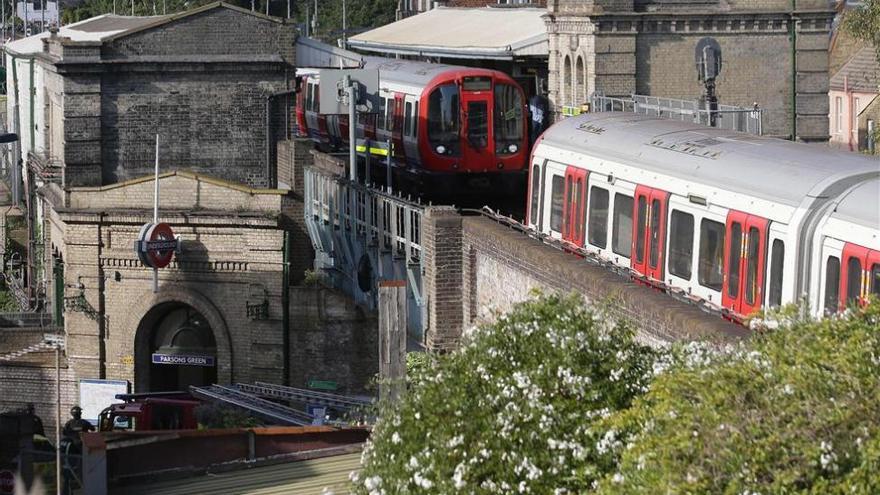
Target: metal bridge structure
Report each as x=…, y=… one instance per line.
x=362, y=234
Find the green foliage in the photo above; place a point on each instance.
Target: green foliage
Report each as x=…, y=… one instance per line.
x=514, y=410
x=212, y=415
x=864, y=23
x=8, y=304
x=793, y=411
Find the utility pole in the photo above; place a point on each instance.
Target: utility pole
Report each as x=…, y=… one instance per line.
x=42, y=15
x=267, y=7
x=132, y=7
x=58, y=418
x=344, y=24
x=288, y=9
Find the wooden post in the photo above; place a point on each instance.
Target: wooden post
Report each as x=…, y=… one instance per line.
x=392, y=338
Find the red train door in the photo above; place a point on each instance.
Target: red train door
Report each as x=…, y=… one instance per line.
x=745, y=257
x=649, y=231
x=301, y=127
x=477, y=153
x=397, y=128
x=574, y=221
x=861, y=274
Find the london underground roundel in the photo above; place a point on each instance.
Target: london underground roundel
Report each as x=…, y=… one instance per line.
x=156, y=245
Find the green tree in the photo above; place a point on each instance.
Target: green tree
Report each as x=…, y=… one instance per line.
x=514, y=410
x=792, y=411
x=864, y=23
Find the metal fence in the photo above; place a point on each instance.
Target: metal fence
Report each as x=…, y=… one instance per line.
x=362, y=234
x=728, y=117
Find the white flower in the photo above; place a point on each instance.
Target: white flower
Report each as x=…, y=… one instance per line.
x=422, y=482
x=395, y=438
x=373, y=482
x=617, y=478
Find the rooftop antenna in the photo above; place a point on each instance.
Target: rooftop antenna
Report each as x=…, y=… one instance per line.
x=708, y=61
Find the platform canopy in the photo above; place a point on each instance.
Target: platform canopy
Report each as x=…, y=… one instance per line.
x=486, y=33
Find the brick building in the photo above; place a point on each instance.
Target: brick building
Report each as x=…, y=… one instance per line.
x=775, y=53
x=216, y=84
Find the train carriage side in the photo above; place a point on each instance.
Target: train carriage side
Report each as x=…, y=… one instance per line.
x=678, y=218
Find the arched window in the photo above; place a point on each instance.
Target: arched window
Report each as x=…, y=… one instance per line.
x=566, y=82
x=581, y=85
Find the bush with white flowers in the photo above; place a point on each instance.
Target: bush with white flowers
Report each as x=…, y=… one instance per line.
x=515, y=410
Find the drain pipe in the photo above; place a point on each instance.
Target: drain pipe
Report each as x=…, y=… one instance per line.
x=285, y=309
x=793, y=35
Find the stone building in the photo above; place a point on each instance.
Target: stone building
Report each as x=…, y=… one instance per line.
x=215, y=84
x=775, y=54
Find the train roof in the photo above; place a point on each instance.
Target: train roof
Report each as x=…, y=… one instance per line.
x=414, y=73
x=861, y=205
x=762, y=167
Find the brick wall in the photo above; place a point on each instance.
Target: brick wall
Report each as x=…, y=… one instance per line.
x=21, y=385
x=496, y=267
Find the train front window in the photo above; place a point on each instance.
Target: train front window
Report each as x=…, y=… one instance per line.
x=508, y=119
x=478, y=124
x=443, y=122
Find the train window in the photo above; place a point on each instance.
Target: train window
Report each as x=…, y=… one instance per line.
x=734, y=264
x=478, y=124
x=508, y=119
x=754, y=243
x=556, y=203
x=832, y=284
x=710, y=273
x=443, y=124
x=642, y=221
x=415, y=127
x=655, y=232
x=598, y=222
x=777, y=256
x=681, y=244
x=853, y=279
x=308, y=103
x=407, y=119
x=875, y=279
x=578, y=210
x=383, y=108
x=316, y=98
x=536, y=186
x=622, y=228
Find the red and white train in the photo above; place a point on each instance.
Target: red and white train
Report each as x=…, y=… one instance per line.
x=738, y=221
x=445, y=122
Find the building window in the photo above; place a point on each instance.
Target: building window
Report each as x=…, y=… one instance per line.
x=710, y=272
x=777, y=257
x=558, y=189
x=581, y=88
x=598, y=221
x=622, y=231
x=832, y=284
x=681, y=244
x=838, y=114
x=566, y=81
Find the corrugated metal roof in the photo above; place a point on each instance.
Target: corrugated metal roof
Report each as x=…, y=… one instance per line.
x=494, y=33
x=301, y=478
x=861, y=73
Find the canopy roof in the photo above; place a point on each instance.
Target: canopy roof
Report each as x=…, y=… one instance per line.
x=486, y=33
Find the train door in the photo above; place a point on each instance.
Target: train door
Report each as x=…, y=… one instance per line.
x=573, y=222
x=397, y=128
x=744, y=258
x=861, y=274
x=302, y=91
x=649, y=231
x=476, y=103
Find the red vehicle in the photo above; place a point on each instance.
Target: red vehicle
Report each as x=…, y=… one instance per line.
x=449, y=125
x=160, y=411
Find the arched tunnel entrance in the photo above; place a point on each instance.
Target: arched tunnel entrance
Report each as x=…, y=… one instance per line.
x=174, y=348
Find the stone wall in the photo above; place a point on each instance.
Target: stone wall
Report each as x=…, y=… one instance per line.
x=649, y=49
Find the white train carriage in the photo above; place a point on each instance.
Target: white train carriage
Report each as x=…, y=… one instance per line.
x=738, y=221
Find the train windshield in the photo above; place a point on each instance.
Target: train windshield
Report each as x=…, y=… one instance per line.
x=508, y=119
x=443, y=119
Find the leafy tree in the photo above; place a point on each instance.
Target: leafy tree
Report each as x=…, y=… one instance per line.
x=514, y=410
x=864, y=23
x=792, y=411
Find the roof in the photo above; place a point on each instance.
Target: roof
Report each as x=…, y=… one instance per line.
x=767, y=168
x=314, y=54
x=861, y=205
x=301, y=477
x=486, y=33
x=106, y=27
x=861, y=73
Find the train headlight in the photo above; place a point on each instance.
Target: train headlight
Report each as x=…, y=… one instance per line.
x=513, y=148
x=441, y=149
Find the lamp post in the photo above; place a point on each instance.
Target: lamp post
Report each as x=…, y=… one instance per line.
x=57, y=341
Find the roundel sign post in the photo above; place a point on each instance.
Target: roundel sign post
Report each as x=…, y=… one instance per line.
x=155, y=247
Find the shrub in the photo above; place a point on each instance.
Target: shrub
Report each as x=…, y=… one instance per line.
x=792, y=411
x=514, y=410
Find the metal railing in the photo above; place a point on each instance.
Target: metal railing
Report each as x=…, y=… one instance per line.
x=749, y=120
